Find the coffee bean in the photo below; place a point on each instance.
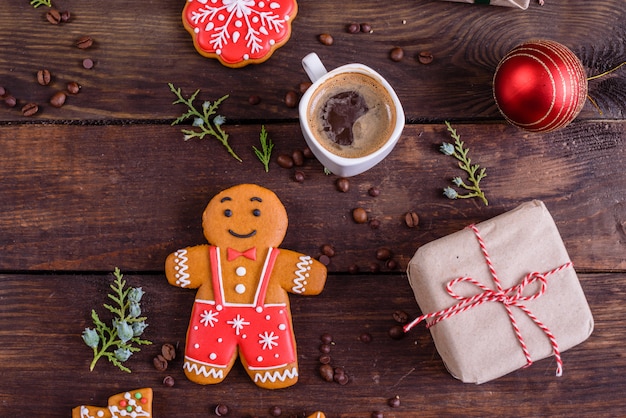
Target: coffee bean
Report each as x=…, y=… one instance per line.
x=374, y=223
x=365, y=337
x=325, y=348
x=341, y=378
x=275, y=411
x=298, y=158
x=88, y=63
x=373, y=191
x=401, y=317
x=425, y=57
x=3, y=92
x=43, y=77
x=291, y=99
x=10, y=100
x=325, y=359
x=29, y=109
x=374, y=267
x=326, y=39
x=377, y=414
x=304, y=86
x=354, y=28
x=168, y=381
x=391, y=264
x=324, y=259
x=326, y=338
x=394, y=402
x=254, y=100
x=58, y=99
x=53, y=16
x=359, y=215
x=339, y=371
x=65, y=16
x=284, y=160
x=396, y=54
x=73, y=87
x=396, y=332
x=221, y=410
x=383, y=254
x=342, y=184
x=328, y=250
x=84, y=42
x=353, y=269
x=308, y=154
x=411, y=219
x=168, y=351
x=159, y=363
x=327, y=373
x=298, y=176
x=366, y=28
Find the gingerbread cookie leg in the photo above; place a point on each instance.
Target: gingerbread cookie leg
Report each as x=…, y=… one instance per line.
x=274, y=378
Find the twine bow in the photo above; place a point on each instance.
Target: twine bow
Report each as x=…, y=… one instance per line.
x=513, y=296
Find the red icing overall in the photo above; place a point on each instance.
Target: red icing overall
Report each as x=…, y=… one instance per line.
x=262, y=332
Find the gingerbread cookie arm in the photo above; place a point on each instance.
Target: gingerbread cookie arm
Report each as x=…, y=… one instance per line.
x=188, y=267
x=300, y=274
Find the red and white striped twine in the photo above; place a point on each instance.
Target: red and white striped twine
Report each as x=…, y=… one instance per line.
x=513, y=296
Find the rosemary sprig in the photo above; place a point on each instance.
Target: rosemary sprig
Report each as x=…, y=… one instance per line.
x=37, y=3
x=125, y=329
x=204, y=120
x=265, y=153
x=465, y=163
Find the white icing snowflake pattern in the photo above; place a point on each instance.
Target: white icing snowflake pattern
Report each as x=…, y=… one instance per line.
x=237, y=30
x=209, y=318
x=238, y=323
x=268, y=341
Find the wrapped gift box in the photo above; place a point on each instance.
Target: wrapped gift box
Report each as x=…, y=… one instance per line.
x=474, y=334
x=522, y=4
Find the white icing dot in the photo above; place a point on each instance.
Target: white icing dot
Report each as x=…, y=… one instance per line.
x=260, y=358
x=221, y=17
x=196, y=345
x=238, y=23
x=286, y=17
x=282, y=327
x=246, y=56
x=255, y=19
x=100, y=413
x=241, y=271
x=219, y=307
x=276, y=355
x=219, y=340
x=195, y=327
x=261, y=4
x=267, y=317
x=272, y=42
x=240, y=288
x=281, y=311
x=244, y=336
x=259, y=309
x=196, y=30
x=176, y=267
x=212, y=356
x=218, y=51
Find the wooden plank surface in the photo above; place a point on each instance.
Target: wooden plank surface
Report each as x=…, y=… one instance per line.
x=106, y=182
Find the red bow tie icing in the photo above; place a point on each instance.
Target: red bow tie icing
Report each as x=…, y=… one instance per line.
x=232, y=254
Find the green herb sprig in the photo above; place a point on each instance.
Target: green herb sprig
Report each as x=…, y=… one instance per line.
x=465, y=163
x=265, y=153
x=115, y=342
x=37, y=3
x=204, y=119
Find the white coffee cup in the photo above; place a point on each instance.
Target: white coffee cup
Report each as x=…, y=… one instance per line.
x=346, y=166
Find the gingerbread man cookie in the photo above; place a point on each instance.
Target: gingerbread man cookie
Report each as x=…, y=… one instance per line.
x=243, y=280
x=135, y=404
x=239, y=32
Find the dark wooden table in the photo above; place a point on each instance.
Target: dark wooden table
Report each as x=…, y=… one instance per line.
x=105, y=181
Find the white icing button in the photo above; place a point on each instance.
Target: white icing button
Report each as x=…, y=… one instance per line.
x=212, y=356
x=100, y=413
x=282, y=327
x=218, y=307
x=240, y=271
x=240, y=288
x=259, y=309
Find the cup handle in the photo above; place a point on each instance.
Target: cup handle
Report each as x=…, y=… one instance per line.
x=313, y=67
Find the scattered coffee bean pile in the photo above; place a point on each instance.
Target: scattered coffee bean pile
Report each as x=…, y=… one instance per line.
x=401, y=318
x=162, y=360
x=327, y=371
x=296, y=159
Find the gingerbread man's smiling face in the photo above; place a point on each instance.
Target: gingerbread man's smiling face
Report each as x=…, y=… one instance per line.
x=245, y=216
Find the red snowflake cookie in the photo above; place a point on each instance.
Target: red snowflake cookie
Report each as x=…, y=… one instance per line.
x=239, y=32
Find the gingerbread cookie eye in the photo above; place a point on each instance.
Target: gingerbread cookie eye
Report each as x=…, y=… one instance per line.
x=228, y=213
x=256, y=212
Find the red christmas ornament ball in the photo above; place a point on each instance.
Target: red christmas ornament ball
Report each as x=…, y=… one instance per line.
x=540, y=86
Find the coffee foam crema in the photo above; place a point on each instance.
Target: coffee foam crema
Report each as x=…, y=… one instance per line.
x=370, y=131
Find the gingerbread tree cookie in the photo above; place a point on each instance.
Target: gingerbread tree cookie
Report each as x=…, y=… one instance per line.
x=243, y=280
x=134, y=403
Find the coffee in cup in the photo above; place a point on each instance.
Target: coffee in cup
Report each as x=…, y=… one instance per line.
x=351, y=115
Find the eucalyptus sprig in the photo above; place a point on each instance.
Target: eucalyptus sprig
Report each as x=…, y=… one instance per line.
x=37, y=3
x=203, y=119
x=475, y=175
x=115, y=342
x=265, y=153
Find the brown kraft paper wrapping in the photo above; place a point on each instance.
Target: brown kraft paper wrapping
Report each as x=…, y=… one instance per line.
x=479, y=344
